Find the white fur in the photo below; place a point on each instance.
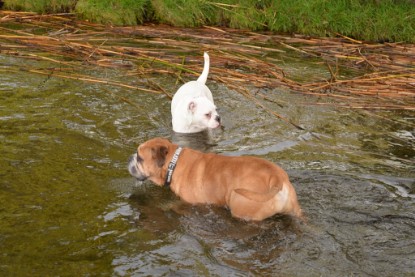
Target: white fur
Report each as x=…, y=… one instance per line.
x=192, y=107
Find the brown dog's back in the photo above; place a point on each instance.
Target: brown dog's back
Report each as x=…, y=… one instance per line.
x=251, y=187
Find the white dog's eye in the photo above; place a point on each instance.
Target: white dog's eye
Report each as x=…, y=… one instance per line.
x=209, y=115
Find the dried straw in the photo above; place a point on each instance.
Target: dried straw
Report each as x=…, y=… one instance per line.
x=382, y=75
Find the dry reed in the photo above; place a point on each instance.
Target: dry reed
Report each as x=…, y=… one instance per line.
x=382, y=76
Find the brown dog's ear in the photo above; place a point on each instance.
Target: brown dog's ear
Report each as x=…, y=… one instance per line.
x=159, y=155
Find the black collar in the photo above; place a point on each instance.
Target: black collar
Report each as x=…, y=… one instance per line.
x=172, y=166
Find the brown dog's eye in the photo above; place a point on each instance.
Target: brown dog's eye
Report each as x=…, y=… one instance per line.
x=139, y=159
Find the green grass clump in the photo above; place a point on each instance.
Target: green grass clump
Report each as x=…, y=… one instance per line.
x=247, y=14
x=183, y=13
x=367, y=20
x=374, y=20
x=114, y=12
x=41, y=6
x=371, y=20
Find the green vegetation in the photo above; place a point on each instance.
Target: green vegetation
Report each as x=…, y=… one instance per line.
x=373, y=20
x=41, y=6
x=124, y=12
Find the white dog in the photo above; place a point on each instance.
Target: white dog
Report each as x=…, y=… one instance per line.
x=192, y=107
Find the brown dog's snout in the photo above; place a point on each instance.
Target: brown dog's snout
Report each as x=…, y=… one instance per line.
x=134, y=171
x=131, y=165
x=132, y=158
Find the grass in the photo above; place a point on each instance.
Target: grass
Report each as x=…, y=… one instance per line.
x=41, y=6
x=113, y=12
x=370, y=20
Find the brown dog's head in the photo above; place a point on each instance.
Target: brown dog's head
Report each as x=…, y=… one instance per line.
x=150, y=159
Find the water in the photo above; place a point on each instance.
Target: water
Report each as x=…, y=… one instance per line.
x=70, y=208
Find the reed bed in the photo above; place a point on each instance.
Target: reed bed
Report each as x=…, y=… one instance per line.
x=356, y=75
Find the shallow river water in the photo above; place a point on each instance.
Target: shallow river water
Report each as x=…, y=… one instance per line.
x=70, y=208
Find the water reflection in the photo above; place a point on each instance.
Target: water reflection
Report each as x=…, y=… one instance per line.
x=69, y=206
x=200, y=239
x=202, y=141
x=352, y=220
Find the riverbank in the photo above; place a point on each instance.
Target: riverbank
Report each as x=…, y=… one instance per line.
x=342, y=72
x=376, y=21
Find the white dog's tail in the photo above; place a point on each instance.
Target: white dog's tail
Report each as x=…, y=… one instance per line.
x=203, y=77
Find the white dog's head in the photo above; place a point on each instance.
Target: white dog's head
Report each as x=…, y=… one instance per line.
x=202, y=114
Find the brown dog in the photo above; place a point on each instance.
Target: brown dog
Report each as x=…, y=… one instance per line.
x=252, y=188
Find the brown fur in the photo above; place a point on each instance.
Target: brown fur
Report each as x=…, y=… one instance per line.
x=252, y=188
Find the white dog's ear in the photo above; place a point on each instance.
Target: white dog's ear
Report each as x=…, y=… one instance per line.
x=192, y=106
